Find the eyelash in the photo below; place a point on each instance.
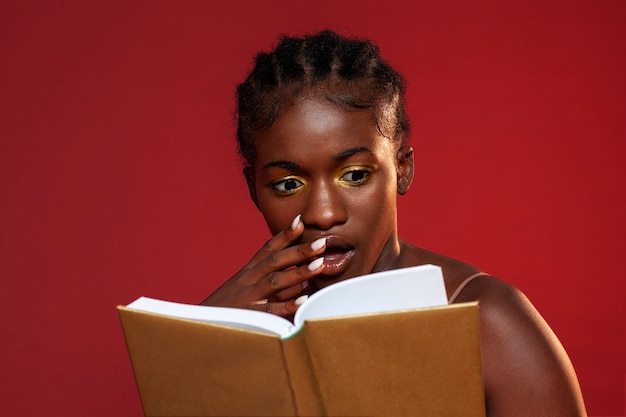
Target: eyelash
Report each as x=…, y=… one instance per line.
x=283, y=182
x=366, y=172
x=290, y=185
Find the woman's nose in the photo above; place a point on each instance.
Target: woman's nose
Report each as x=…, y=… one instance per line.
x=325, y=207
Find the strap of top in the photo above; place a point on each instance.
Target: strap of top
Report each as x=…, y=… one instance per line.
x=460, y=288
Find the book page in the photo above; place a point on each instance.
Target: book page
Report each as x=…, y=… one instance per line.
x=232, y=317
x=398, y=289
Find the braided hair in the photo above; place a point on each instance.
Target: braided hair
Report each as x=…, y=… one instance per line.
x=345, y=72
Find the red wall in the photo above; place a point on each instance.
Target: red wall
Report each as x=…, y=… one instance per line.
x=119, y=178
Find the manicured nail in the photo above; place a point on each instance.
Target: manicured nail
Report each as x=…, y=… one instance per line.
x=300, y=300
x=318, y=244
x=305, y=284
x=316, y=264
x=295, y=222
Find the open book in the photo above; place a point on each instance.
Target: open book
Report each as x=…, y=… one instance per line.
x=386, y=344
x=399, y=289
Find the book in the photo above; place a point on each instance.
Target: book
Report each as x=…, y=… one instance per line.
x=385, y=344
x=406, y=288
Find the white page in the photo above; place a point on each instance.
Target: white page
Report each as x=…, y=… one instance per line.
x=232, y=317
x=398, y=289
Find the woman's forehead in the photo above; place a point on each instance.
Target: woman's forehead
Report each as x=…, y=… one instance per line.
x=319, y=130
x=318, y=115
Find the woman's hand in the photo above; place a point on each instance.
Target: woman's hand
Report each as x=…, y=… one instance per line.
x=275, y=276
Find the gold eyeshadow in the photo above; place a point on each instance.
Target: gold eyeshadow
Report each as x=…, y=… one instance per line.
x=274, y=185
x=367, y=170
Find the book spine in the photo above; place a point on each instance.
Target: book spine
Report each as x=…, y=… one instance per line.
x=304, y=385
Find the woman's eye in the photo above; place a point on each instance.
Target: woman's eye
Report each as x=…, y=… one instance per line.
x=356, y=177
x=287, y=186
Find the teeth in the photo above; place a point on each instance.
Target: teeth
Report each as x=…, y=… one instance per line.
x=333, y=255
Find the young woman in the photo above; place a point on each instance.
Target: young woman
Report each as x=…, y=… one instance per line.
x=323, y=133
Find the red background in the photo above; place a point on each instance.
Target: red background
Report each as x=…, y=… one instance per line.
x=119, y=174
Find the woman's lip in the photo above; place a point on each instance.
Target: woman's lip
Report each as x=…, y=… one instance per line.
x=335, y=262
x=336, y=243
x=337, y=255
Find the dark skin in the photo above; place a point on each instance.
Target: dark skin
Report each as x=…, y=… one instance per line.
x=326, y=181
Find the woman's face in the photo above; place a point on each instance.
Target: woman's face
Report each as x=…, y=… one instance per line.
x=333, y=167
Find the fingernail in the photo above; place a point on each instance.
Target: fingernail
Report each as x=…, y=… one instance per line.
x=316, y=264
x=295, y=222
x=318, y=244
x=301, y=300
x=305, y=284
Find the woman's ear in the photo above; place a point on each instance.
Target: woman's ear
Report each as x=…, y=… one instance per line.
x=404, y=161
x=248, y=172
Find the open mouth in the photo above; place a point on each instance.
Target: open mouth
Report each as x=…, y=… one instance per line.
x=336, y=256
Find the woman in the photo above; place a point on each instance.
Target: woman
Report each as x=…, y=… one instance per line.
x=323, y=133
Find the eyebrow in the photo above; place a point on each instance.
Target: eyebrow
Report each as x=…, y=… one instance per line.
x=281, y=164
x=339, y=157
x=350, y=152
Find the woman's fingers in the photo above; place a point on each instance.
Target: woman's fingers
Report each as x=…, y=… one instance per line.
x=290, y=293
x=295, y=255
x=280, y=308
x=285, y=284
x=278, y=273
x=280, y=241
x=300, y=276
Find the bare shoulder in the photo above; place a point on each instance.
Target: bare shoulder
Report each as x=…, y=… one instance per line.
x=526, y=369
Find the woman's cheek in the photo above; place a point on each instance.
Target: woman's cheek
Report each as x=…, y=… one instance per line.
x=277, y=215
